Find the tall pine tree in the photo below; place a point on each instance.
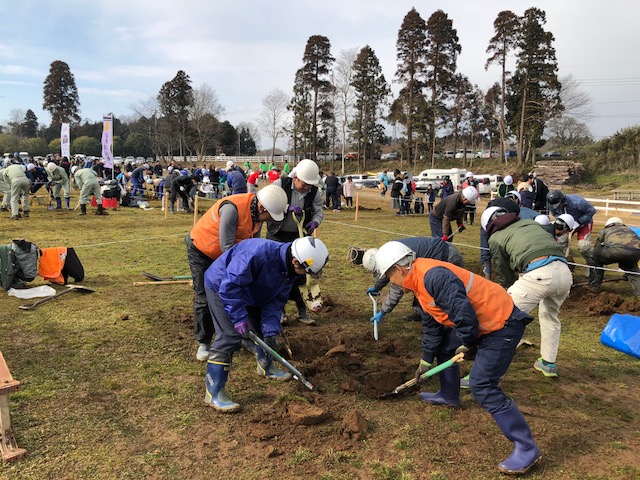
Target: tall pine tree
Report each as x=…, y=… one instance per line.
x=61, y=95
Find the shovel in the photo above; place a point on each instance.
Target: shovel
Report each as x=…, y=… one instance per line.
x=374, y=299
x=70, y=288
x=158, y=278
x=276, y=356
x=429, y=373
x=311, y=289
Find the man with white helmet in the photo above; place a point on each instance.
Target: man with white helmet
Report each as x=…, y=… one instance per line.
x=227, y=222
x=505, y=186
x=422, y=247
x=305, y=205
x=449, y=210
x=15, y=177
x=87, y=181
x=469, y=181
x=532, y=266
x=466, y=313
x=619, y=244
x=59, y=179
x=582, y=212
x=247, y=288
x=236, y=179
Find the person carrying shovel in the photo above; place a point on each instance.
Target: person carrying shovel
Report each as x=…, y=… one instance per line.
x=449, y=210
x=247, y=288
x=468, y=313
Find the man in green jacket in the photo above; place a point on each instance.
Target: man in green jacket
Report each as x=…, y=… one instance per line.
x=87, y=180
x=14, y=176
x=522, y=247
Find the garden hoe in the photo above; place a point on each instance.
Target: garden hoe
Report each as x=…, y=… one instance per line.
x=310, y=291
x=411, y=383
x=70, y=288
x=374, y=299
x=276, y=356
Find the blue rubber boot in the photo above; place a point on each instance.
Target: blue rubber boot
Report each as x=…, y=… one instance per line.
x=449, y=393
x=525, y=451
x=266, y=368
x=217, y=373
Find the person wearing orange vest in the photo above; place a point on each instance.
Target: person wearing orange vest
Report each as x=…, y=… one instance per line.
x=226, y=223
x=464, y=313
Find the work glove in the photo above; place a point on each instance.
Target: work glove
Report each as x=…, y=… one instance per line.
x=469, y=352
x=310, y=227
x=372, y=290
x=243, y=327
x=182, y=189
x=295, y=209
x=273, y=342
x=377, y=318
x=461, y=228
x=422, y=368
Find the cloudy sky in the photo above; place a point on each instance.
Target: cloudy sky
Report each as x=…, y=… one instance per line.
x=122, y=51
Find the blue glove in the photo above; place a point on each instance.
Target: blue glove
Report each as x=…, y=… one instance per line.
x=243, y=327
x=295, y=209
x=377, y=317
x=372, y=290
x=311, y=226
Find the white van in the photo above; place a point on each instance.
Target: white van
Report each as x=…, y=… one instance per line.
x=437, y=175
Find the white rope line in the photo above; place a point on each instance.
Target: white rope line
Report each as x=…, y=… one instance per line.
x=131, y=240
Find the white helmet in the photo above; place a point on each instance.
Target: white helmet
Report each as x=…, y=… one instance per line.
x=274, y=199
x=508, y=180
x=568, y=220
x=307, y=171
x=149, y=181
x=145, y=166
x=369, y=259
x=515, y=196
x=45, y=163
x=30, y=166
x=470, y=193
x=311, y=252
x=488, y=214
x=73, y=169
x=468, y=175
x=230, y=164
x=51, y=167
x=392, y=253
x=170, y=168
x=206, y=180
x=542, y=220
x=613, y=221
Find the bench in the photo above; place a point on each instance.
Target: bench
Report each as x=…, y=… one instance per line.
x=8, y=448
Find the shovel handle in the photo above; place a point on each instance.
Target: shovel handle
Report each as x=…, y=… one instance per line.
x=375, y=310
x=431, y=372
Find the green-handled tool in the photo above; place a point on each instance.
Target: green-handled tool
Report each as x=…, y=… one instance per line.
x=293, y=370
x=437, y=369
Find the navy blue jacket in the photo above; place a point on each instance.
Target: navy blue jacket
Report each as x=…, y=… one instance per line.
x=237, y=181
x=254, y=273
x=576, y=206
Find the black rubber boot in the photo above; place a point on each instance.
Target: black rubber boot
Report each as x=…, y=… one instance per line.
x=83, y=209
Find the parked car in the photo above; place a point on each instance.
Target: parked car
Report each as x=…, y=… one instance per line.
x=510, y=154
x=361, y=180
x=117, y=160
x=139, y=160
x=462, y=154
x=449, y=154
x=551, y=154
x=130, y=159
x=389, y=156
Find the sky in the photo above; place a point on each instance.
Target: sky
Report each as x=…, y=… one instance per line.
x=121, y=52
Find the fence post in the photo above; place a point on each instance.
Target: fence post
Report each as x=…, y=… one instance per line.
x=357, y=205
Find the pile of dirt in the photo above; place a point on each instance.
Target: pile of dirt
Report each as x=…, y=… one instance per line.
x=601, y=303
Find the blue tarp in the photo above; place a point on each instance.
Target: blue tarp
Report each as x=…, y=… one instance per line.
x=622, y=332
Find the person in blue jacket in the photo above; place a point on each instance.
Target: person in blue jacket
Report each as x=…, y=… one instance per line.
x=247, y=288
x=137, y=180
x=236, y=179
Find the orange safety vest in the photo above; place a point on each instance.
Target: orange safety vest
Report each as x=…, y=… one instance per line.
x=206, y=234
x=52, y=263
x=492, y=304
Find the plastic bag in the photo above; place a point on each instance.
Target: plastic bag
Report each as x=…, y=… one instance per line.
x=622, y=332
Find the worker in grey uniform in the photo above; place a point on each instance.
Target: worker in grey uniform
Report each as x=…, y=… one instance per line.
x=87, y=181
x=15, y=176
x=60, y=181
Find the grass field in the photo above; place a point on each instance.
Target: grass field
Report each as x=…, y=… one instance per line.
x=111, y=388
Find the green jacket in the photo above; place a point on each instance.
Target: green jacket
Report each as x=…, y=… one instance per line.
x=86, y=176
x=516, y=245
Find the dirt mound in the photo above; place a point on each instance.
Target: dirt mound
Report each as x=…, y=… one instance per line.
x=601, y=303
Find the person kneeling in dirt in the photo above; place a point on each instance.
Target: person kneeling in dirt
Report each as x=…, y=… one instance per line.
x=422, y=247
x=522, y=247
x=227, y=222
x=619, y=244
x=247, y=288
x=468, y=313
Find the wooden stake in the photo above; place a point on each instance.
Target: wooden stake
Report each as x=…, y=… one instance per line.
x=195, y=210
x=8, y=447
x=357, y=205
x=165, y=202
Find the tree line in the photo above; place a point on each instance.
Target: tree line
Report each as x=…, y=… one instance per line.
x=345, y=103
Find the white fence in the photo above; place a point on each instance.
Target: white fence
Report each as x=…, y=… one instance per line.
x=608, y=206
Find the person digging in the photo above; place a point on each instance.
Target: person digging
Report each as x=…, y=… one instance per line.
x=469, y=314
x=247, y=288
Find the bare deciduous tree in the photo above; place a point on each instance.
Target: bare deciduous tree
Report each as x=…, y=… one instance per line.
x=273, y=116
x=344, y=92
x=204, y=116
